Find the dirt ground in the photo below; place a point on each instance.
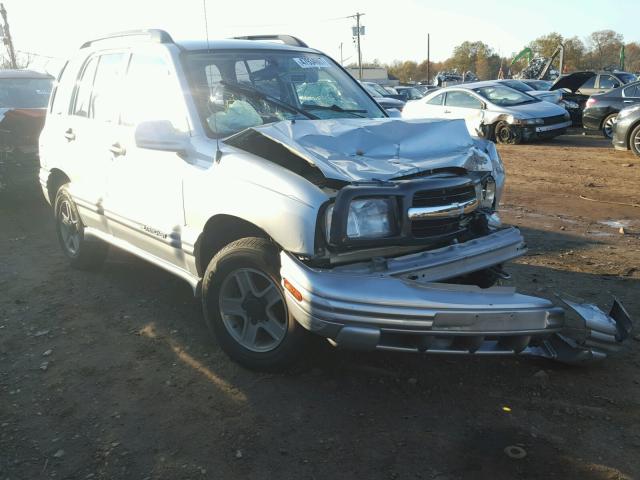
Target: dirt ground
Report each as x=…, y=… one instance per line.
x=113, y=375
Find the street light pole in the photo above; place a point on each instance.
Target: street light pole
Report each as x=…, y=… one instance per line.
x=357, y=17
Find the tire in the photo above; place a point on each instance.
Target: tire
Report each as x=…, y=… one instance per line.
x=83, y=254
x=244, y=307
x=607, y=125
x=634, y=140
x=506, y=134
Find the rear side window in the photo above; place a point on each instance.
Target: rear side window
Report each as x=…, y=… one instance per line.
x=83, y=92
x=591, y=83
x=463, y=100
x=437, y=100
x=107, y=87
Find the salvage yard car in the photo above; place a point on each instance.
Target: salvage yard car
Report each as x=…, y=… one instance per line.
x=493, y=111
x=601, y=110
x=293, y=218
x=24, y=95
x=626, y=129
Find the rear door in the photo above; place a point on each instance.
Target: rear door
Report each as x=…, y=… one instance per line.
x=465, y=106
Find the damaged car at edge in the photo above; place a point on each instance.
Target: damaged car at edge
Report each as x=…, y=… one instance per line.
x=294, y=215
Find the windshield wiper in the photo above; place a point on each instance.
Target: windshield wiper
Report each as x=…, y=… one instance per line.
x=335, y=108
x=255, y=93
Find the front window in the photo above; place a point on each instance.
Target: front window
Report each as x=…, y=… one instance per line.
x=237, y=90
x=609, y=81
x=504, y=96
x=24, y=92
x=462, y=100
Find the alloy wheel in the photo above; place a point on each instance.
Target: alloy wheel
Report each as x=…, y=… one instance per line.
x=69, y=227
x=608, y=126
x=253, y=310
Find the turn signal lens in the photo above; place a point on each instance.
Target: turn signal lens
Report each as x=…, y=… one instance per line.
x=292, y=290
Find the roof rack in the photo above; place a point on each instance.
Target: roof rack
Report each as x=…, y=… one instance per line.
x=153, y=35
x=286, y=39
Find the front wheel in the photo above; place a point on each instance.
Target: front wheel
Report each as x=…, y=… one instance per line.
x=82, y=253
x=507, y=134
x=245, y=308
x=607, y=125
x=634, y=141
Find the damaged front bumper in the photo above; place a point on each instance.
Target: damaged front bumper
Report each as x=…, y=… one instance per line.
x=396, y=305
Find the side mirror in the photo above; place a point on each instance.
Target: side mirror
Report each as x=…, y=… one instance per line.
x=394, y=113
x=161, y=135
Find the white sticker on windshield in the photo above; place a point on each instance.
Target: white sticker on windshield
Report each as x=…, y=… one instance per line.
x=312, y=62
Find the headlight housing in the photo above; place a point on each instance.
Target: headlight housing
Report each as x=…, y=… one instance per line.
x=529, y=121
x=367, y=218
x=488, y=193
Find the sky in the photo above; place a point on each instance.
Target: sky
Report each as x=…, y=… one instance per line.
x=394, y=29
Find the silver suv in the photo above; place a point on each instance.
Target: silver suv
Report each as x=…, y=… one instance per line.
x=264, y=175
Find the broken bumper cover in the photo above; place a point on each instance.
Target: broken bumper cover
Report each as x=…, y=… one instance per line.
x=390, y=311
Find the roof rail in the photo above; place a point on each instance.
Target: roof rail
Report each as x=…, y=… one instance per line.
x=153, y=35
x=286, y=39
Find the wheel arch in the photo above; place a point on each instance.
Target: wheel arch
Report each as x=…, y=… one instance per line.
x=56, y=179
x=630, y=130
x=219, y=231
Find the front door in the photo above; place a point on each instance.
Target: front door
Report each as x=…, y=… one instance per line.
x=145, y=186
x=465, y=106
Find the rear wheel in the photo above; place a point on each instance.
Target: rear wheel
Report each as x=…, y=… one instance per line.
x=82, y=253
x=507, y=134
x=245, y=308
x=634, y=141
x=607, y=125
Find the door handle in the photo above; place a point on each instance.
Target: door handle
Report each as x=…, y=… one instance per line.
x=447, y=111
x=628, y=101
x=117, y=149
x=69, y=134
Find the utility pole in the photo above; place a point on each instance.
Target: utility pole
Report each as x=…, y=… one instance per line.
x=428, y=57
x=341, y=58
x=358, y=31
x=7, y=37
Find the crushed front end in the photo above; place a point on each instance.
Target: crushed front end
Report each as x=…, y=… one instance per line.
x=422, y=279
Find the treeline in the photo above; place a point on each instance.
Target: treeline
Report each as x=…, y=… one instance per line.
x=599, y=50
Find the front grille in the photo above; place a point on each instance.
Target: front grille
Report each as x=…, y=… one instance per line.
x=553, y=120
x=440, y=227
x=444, y=196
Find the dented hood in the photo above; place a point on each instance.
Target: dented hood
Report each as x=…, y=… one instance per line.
x=377, y=149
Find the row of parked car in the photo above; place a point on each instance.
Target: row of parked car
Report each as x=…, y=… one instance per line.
x=511, y=111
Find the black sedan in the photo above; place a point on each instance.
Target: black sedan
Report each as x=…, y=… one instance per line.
x=601, y=110
x=626, y=130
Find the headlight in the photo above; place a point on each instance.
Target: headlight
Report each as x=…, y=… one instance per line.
x=368, y=218
x=488, y=193
x=531, y=121
x=569, y=104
